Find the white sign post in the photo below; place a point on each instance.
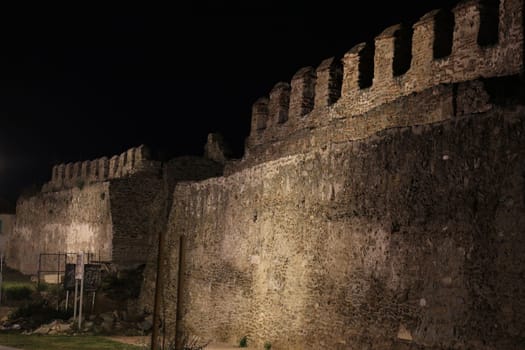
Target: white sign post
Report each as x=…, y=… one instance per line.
x=1, y=277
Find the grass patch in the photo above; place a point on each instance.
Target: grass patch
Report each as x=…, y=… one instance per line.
x=62, y=342
x=18, y=284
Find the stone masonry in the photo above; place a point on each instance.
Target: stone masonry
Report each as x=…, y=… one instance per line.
x=110, y=208
x=379, y=204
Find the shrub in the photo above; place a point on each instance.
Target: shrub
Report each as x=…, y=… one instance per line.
x=16, y=292
x=38, y=313
x=42, y=287
x=80, y=183
x=267, y=345
x=243, y=343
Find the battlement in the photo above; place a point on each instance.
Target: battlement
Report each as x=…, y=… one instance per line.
x=133, y=161
x=476, y=39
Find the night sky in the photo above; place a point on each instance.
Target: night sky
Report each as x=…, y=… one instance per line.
x=81, y=83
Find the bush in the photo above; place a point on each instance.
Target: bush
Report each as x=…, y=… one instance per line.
x=38, y=313
x=267, y=345
x=243, y=343
x=42, y=287
x=16, y=292
x=80, y=183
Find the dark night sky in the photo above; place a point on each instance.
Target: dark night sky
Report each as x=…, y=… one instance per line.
x=80, y=83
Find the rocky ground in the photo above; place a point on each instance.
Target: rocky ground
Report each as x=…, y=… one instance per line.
x=107, y=317
x=116, y=322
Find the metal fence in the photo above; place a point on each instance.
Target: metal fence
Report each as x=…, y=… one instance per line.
x=52, y=266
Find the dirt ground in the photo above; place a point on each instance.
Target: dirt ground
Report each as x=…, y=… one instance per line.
x=145, y=341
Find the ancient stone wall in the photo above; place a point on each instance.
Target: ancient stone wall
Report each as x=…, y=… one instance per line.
x=106, y=208
x=409, y=239
x=379, y=203
x=113, y=210
x=133, y=161
x=138, y=212
x=72, y=220
x=186, y=168
x=473, y=41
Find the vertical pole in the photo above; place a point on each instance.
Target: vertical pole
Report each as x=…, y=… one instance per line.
x=75, y=300
x=180, y=285
x=81, y=301
x=58, y=268
x=1, y=275
x=93, y=301
x=58, y=280
x=39, y=268
x=158, y=290
x=159, y=281
x=67, y=299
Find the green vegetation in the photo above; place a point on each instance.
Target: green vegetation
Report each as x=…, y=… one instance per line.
x=38, y=313
x=42, y=287
x=267, y=345
x=16, y=291
x=80, y=183
x=243, y=343
x=16, y=287
x=36, y=342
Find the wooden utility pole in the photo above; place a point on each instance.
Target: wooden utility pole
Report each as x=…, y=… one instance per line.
x=180, y=281
x=158, y=290
x=159, y=281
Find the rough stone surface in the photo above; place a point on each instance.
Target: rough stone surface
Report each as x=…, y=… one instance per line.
x=467, y=61
x=71, y=220
x=414, y=235
x=137, y=214
x=216, y=149
x=116, y=220
x=375, y=208
x=391, y=218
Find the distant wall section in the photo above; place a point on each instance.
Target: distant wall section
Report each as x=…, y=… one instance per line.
x=108, y=207
x=73, y=220
x=135, y=160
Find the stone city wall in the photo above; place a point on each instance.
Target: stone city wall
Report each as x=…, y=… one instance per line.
x=409, y=239
x=107, y=208
x=132, y=161
x=477, y=39
x=378, y=204
x=71, y=221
